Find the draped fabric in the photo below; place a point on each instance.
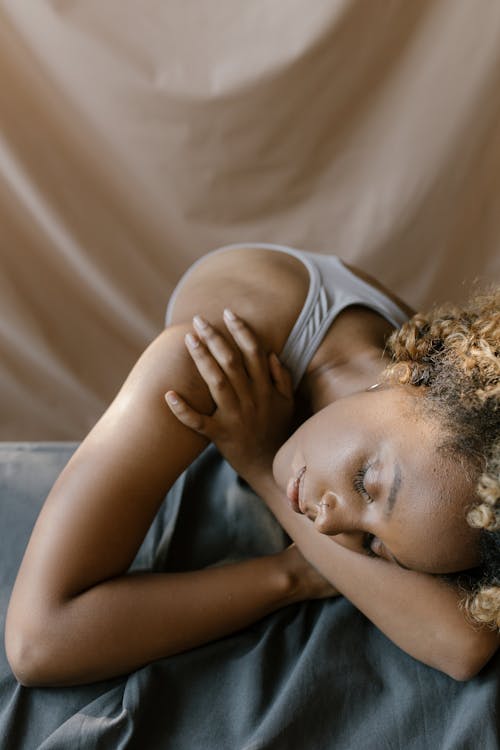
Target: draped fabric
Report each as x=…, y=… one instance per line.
x=137, y=136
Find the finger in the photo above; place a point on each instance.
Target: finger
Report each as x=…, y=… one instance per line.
x=216, y=379
x=254, y=356
x=227, y=356
x=281, y=376
x=186, y=414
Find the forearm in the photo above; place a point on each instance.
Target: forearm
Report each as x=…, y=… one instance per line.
x=418, y=612
x=124, y=623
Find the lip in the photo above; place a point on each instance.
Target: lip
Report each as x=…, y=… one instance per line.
x=378, y=547
x=300, y=488
x=293, y=490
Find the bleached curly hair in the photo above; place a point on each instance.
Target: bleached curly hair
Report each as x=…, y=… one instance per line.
x=454, y=353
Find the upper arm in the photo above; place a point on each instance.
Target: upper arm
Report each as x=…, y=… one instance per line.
x=102, y=504
x=99, y=509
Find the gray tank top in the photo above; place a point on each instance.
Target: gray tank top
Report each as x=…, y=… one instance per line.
x=332, y=288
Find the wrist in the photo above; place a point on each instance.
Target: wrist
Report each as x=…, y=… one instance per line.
x=289, y=576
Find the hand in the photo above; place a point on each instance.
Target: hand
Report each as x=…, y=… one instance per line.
x=308, y=583
x=252, y=391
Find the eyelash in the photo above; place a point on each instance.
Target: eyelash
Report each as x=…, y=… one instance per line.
x=358, y=483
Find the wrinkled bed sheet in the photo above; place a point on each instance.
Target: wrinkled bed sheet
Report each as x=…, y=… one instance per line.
x=312, y=676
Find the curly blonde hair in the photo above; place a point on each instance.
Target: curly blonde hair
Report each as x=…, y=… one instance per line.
x=454, y=353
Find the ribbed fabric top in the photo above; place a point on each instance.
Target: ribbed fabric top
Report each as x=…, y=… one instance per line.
x=332, y=288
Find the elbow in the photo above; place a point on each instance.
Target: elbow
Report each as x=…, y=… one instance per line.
x=474, y=656
x=467, y=670
x=462, y=674
x=36, y=643
x=26, y=658
x=26, y=654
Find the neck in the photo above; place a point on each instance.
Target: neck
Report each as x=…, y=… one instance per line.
x=336, y=379
x=349, y=359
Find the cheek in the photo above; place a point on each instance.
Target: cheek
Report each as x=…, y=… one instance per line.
x=321, y=443
x=460, y=551
x=438, y=546
x=293, y=453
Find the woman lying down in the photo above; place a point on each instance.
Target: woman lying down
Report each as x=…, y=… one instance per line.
x=373, y=437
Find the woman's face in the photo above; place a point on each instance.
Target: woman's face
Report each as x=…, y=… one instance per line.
x=374, y=477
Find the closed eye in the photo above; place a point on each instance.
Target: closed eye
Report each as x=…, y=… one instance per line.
x=359, y=484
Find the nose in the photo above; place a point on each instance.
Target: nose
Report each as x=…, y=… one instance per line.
x=334, y=516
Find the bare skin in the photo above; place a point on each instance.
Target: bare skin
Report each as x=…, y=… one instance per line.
x=87, y=619
x=416, y=610
x=373, y=467
x=80, y=620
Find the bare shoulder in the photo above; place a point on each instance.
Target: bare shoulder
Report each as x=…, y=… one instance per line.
x=267, y=288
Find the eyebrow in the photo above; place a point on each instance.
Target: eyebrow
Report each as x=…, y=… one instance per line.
x=391, y=501
x=393, y=492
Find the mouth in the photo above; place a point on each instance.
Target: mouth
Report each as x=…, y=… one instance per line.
x=376, y=546
x=293, y=490
x=379, y=549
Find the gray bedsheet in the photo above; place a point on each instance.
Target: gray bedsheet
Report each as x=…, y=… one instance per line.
x=315, y=675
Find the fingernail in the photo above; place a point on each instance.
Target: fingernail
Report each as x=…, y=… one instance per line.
x=191, y=340
x=172, y=398
x=229, y=314
x=199, y=322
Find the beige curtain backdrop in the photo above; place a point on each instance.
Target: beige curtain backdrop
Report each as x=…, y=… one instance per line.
x=137, y=135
